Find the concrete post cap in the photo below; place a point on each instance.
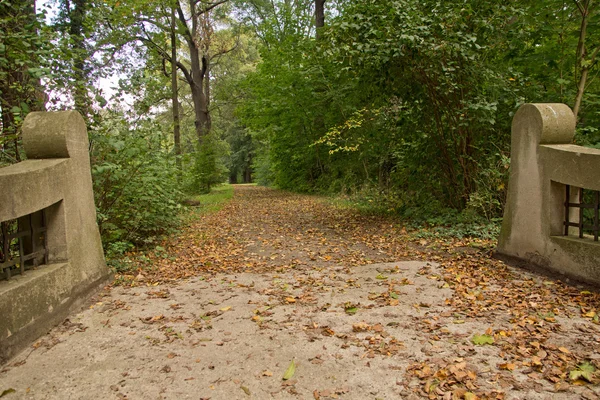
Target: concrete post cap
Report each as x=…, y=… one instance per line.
x=552, y=123
x=54, y=134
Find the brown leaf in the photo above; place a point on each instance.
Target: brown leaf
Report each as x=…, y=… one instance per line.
x=507, y=366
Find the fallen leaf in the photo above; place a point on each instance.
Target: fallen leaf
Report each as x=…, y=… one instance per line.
x=245, y=389
x=290, y=371
x=564, y=350
x=584, y=371
x=361, y=327
x=7, y=391
x=351, y=310
x=481, y=340
x=507, y=366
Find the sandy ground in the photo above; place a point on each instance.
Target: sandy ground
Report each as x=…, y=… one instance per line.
x=332, y=325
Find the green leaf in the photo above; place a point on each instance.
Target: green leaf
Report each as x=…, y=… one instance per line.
x=351, y=310
x=481, y=340
x=587, y=367
x=575, y=374
x=584, y=371
x=394, y=295
x=7, y=391
x=381, y=276
x=290, y=371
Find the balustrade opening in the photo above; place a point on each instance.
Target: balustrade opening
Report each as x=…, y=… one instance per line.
x=588, y=203
x=23, y=244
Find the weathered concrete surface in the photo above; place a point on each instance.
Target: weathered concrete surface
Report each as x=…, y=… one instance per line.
x=543, y=161
x=234, y=336
x=57, y=177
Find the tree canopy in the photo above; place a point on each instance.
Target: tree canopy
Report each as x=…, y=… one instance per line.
x=405, y=103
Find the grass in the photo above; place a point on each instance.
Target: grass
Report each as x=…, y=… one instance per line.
x=213, y=201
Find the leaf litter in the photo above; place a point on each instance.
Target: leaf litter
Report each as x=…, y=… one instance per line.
x=275, y=276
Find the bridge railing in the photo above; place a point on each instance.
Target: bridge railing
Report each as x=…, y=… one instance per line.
x=551, y=215
x=50, y=250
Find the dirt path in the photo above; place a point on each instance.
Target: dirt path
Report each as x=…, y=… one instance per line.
x=276, y=279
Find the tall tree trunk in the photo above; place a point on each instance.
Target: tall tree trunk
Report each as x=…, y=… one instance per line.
x=207, y=83
x=174, y=94
x=319, y=15
x=76, y=10
x=197, y=31
x=584, y=63
x=198, y=67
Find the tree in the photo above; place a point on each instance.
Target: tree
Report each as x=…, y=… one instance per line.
x=319, y=15
x=174, y=90
x=73, y=22
x=585, y=60
x=24, y=46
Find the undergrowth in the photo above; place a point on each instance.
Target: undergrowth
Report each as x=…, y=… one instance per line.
x=423, y=219
x=131, y=258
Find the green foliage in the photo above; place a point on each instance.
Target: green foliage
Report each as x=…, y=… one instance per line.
x=24, y=57
x=207, y=165
x=407, y=104
x=129, y=263
x=402, y=106
x=135, y=183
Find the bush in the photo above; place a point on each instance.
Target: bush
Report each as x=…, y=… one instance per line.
x=135, y=183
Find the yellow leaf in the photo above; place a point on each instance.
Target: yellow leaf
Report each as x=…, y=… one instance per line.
x=290, y=299
x=590, y=314
x=226, y=308
x=564, y=350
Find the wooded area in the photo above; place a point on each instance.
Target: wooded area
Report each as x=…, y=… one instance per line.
x=405, y=105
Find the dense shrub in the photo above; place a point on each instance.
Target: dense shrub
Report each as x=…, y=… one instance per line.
x=135, y=182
